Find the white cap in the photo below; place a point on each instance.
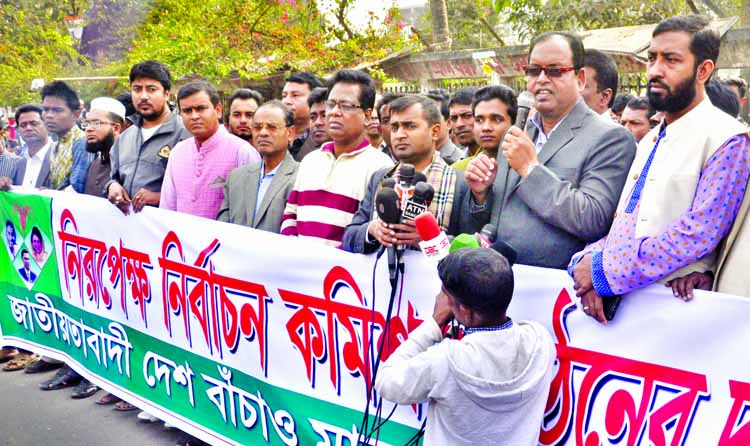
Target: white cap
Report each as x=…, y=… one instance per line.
x=109, y=105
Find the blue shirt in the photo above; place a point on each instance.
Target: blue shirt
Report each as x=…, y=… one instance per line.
x=264, y=183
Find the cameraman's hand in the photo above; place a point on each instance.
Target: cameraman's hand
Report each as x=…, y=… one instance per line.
x=442, y=312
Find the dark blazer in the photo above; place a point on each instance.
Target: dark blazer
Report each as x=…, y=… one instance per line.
x=356, y=231
x=241, y=194
x=567, y=201
x=31, y=278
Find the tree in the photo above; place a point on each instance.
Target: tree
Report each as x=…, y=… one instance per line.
x=34, y=43
x=216, y=38
x=529, y=17
x=441, y=36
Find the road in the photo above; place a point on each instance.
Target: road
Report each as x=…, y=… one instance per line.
x=31, y=417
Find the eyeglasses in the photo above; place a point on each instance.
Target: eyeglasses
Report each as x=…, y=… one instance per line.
x=271, y=127
x=346, y=107
x=551, y=72
x=95, y=124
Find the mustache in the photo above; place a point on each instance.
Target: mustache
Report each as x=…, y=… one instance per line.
x=654, y=82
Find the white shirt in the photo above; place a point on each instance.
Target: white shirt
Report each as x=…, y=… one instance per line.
x=34, y=165
x=148, y=133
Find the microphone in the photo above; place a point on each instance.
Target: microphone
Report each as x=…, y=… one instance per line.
x=389, y=182
x=419, y=201
x=435, y=245
x=525, y=103
x=487, y=235
x=405, y=186
x=419, y=177
x=386, y=204
x=463, y=241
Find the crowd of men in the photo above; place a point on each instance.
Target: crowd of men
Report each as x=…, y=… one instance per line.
x=582, y=187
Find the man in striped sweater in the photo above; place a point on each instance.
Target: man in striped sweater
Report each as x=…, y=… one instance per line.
x=332, y=181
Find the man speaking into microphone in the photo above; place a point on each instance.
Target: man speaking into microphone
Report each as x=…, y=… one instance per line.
x=415, y=128
x=554, y=188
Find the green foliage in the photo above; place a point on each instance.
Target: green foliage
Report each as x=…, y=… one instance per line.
x=529, y=17
x=216, y=38
x=34, y=43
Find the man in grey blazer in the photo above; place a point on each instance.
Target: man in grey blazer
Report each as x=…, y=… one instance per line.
x=555, y=188
x=255, y=195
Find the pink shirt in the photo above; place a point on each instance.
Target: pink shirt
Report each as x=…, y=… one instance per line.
x=195, y=176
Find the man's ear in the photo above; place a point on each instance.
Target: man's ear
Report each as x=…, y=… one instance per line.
x=703, y=73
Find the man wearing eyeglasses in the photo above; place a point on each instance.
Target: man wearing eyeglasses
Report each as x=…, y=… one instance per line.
x=555, y=188
x=103, y=125
x=199, y=166
x=255, y=195
x=331, y=182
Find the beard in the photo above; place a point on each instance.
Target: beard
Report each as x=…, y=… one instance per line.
x=103, y=145
x=674, y=100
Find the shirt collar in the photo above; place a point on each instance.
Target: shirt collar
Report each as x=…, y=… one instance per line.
x=213, y=141
x=263, y=169
x=505, y=326
x=537, y=121
x=328, y=147
x=42, y=152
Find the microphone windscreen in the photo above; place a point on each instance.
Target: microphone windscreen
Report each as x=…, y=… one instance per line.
x=427, y=226
x=389, y=182
x=386, y=204
x=419, y=176
x=464, y=241
x=406, y=174
x=424, y=192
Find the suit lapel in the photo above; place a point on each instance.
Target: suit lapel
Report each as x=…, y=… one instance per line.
x=277, y=182
x=43, y=180
x=560, y=138
x=251, y=190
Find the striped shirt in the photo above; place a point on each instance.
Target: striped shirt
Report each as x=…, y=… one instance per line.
x=328, y=191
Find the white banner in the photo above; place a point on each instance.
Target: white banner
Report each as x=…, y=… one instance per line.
x=296, y=323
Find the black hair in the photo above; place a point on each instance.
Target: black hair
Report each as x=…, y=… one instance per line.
x=722, y=97
x=385, y=100
x=61, y=90
x=126, y=99
x=366, y=85
x=621, y=101
x=505, y=94
x=739, y=83
x=704, y=41
x=574, y=42
x=430, y=111
x=463, y=96
x=318, y=95
x=641, y=103
x=311, y=80
x=36, y=232
x=10, y=223
x=152, y=69
x=606, y=72
x=25, y=251
x=442, y=102
x=194, y=87
x=242, y=94
x=288, y=112
x=478, y=278
x=29, y=108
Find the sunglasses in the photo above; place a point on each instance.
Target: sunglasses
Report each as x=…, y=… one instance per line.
x=552, y=72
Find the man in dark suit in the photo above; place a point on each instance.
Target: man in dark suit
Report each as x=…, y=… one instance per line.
x=415, y=129
x=555, y=188
x=294, y=95
x=26, y=273
x=255, y=195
